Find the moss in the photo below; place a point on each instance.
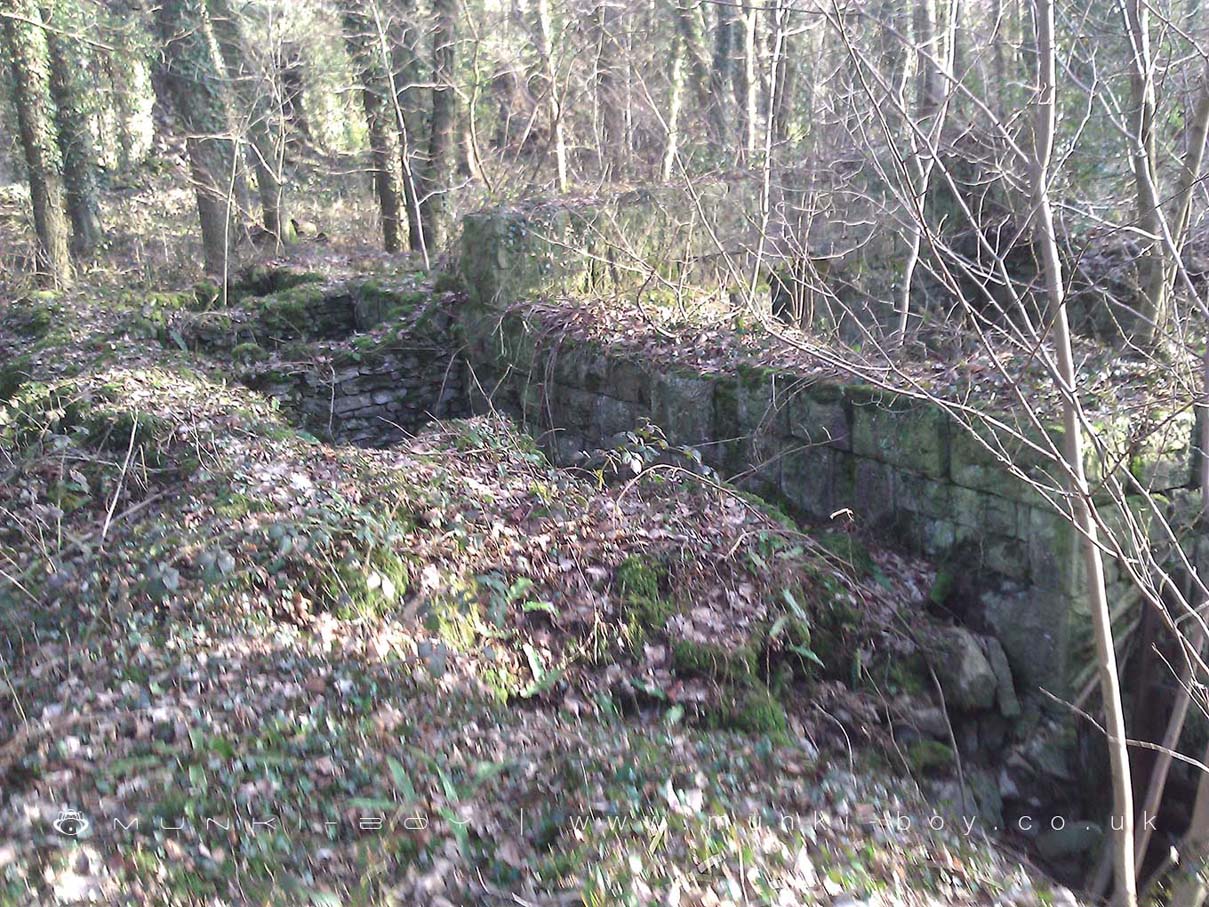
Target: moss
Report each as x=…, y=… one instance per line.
x=908, y=674
x=850, y=550
x=377, y=304
x=67, y=498
x=645, y=610
x=771, y=510
x=752, y=376
x=928, y=757
x=755, y=711
x=261, y=280
x=206, y=295
x=366, y=587
x=448, y=282
x=290, y=313
x=246, y=353
x=234, y=506
x=640, y=577
x=456, y=618
x=730, y=666
x=942, y=586
x=37, y=409
x=33, y=318
x=13, y=374
x=119, y=431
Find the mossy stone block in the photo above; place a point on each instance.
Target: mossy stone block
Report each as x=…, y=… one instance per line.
x=982, y=456
x=904, y=433
x=1032, y=624
x=810, y=479
x=921, y=495
x=683, y=406
x=818, y=415
x=611, y=416
x=873, y=492
x=1006, y=555
x=1053, y=551
x=628, y=380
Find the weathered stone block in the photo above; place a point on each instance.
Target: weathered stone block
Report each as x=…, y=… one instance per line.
x=905, y=433
x=873, y=490
x=925, y=496
x=965, y=674
x=1009, y=704
x=1033, y=625
x=756, y=464
x=817, y=414
x=611, y=416
x=1053, y=551
x=760, y=402
x=348, y=404
x=1001, y=515
x=810, y=477
x=629, y=380
x=968, y=507
x=1006, y=555
x=979, y=456
x=683, y=406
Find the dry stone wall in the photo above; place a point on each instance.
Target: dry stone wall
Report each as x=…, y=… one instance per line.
x=361, y=361
x=901, y=466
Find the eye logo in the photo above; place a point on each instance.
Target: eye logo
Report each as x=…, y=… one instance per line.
x=71, y=822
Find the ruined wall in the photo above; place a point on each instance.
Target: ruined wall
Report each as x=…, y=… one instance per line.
x=902, y=466
x=372, y=399
x=359, y=361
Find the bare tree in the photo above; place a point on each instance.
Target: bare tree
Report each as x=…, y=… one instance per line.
x=25, y=47
x=254, y=93
x=364, y=46
x=438, y=174
x=197, y=95
x=549, y=90
x=1081, y=499
x=67, y=74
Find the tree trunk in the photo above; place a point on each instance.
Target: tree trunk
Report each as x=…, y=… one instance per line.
x=721, y=69
x=745, y=83
x=999, y=58
x=1191, y=889
x=25, y=45
x=690, y=27
x=67, y=72
x=1190, y=169
x=193, y=81
x=293, y=100
x=409, y=112
x=360, y=35
x=439, y=172
x=541, y=37
x=608, y=99
x=928, y=90
x=121, y=71
x=1152, y=307
x=786, y=86
x=1110, y=686
x=267, y=147
x=675, y=100
x=931, y=104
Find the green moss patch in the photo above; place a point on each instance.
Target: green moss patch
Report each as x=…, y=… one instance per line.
x=929, y=757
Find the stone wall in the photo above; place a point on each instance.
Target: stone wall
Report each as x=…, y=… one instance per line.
x=371, y=398
x=904, y=467
x=362, y=361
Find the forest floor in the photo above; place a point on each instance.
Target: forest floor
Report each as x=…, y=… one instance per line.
x=211, y=620
x=239, y=665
